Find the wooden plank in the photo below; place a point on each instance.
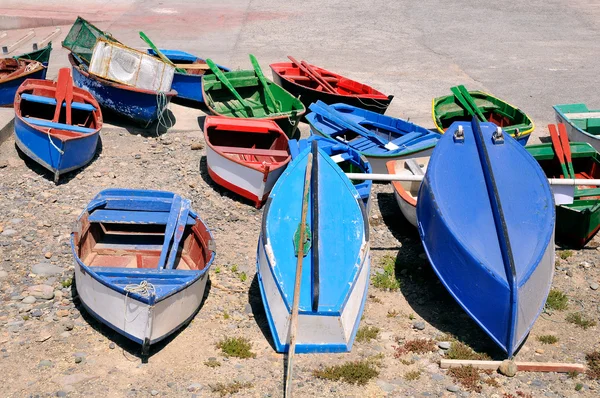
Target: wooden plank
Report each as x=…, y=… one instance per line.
x=193, y=66
x=251, y=151
x=10, y=48
x=583, y=115
x=306, y=78
x=521, y=366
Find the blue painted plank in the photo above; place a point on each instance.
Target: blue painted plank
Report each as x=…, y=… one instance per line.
x=133, y=217
x=60, y=126
x=172, y=221
x=52, y=101
x=179, y=229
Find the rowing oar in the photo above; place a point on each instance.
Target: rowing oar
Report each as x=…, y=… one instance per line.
x=265, y=84
x=296, y=302
x=326, y=86
x=397, y=177
x=558, y=149
x=225, y=81
x=159, y=53
x=564, y=140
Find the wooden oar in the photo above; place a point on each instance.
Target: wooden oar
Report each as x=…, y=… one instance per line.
x=470, y=100
x=296, y=302
x=184, y=211
x=159, y=53
x=68, y=82
x=315, y=226
x=564, y=139
x=221, y=76
x=326, y=86
x=463, y=101
x=558, y=149
x=61, y=92
x=176, y=207
x=265, y=84
x=193, y=66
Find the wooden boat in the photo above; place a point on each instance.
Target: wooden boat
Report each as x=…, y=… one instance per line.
x=13, y=72
x=246, y=156
x=347, y=159
x=138, y=105
x=189, y=84
x=490, y=244
x=335, y=271
x=248, y=94
x=311, y=83
x=82, y=37
x=57, y=125
x=40, y=55
x=449, y=109
x=579, y=222
x=141, y=262
x=378, y=137
x=406, y=192
x=583, y=125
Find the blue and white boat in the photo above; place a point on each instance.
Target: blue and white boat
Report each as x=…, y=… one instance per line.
x=378, y=137
x=335, y=271
x=141, y=262
x=188, y=85
x=347, y=158
x=57, y=125
x=486, y=218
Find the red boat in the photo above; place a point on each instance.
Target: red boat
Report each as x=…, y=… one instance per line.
x=312, y=83
x=246, y=156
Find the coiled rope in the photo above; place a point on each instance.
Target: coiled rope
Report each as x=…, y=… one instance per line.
x=162, y=104
x=144, y=289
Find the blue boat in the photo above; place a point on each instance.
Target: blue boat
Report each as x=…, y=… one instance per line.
x=348, y=159
x=188, y=85
x=13, y=72
x=57, y=125
x=378, y=137
x=138, y=105
x=141, y=262
x=486, y=218
x=335, y=271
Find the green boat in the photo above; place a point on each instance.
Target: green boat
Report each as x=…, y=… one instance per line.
x=582, y=124
x=448, y=109
x=577, y=223
x=41, y=55
x=256, y=103
x=82, y=38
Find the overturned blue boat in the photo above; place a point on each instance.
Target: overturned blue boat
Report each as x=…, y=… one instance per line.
x=335, y=270
x=347, y=159
x=378, y=137
x=57, y=125
x=189, y=84
x=486, y=218
x=141, y=262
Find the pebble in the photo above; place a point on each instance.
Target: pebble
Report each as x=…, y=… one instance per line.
x=508, y=368
x=197, y=146
x=569, y=273
x=36, y=313
x=48, y=255
x=194, y=387
x=9, y=232
x=112, y=175
x=154, y=393
x=444, y=345
x=453, y=388
x=44, y=363
x=97, y=174
x=112, y=346
x=68, y=325
x=46, y=269
x=585, y=265
x=419, y=325
x=45, y=292
x=62, y=313
x=61, y=394
x=594, y=286
x=78, y=359
x=539, y=351
x=29, y=300
x=437, y=377
x=385, y=386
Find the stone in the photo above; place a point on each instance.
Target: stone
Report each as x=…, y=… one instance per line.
x=585, y=265
x=46, y=269
x=61, y=393
x=9, y=232
x=508, y=368
x=78, y=359
x=569, y=273
x=539, y=351
x=43, y=336
x=68, y=325
x=196, y=146
x=444, y=345
x=537, y=383
x=45, y=292
x=48, y=255
x=154, y=393
x=97, y=174
x=419, y=325
x=437, y=377
x=112, y=174
x=3, y=274
x=385, y=386
x=29, y=300
x=248, y=309
x=36, y=313
x=62, y=313
x=594, y=286
x=112, y=346
x=453, y=388
x=44, y=363
x=194, y=387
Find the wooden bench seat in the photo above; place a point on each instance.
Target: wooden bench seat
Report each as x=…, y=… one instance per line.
x=133, y=217
x=251, y=151
x=58, y=126
x=52, y=101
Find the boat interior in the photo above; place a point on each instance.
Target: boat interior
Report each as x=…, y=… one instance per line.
x=257, y=146
x=10, y=67
x=590, y=124
x=342, y=85
x=585, y=168
x=127, y=239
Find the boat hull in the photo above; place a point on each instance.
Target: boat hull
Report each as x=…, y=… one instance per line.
x=77, y=152
x=8, y=89
x=575, y=133
x=408, y=211
x=317, y=333
x=246, y=181
x=308, y=96
x=491, y=246
x=136, y=320
x=139, y=106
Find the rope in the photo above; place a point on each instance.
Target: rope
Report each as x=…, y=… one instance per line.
x=376, y=104
x=53, y=144
x=144, y=289
x=162, y=104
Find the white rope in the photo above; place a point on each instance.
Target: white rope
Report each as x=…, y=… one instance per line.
x=144, y=289
x=162, y=104
x=53, y=144
x=376, y=104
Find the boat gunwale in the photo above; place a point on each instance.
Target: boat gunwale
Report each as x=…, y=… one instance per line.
x=38, y=68
x=561, y=114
